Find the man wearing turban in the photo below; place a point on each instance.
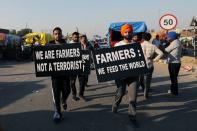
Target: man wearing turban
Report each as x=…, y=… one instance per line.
x=130, y=82
x=174, y=51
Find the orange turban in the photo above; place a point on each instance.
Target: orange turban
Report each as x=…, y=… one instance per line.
x=126, y=27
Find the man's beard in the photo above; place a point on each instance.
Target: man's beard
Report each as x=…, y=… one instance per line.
x=127, y=37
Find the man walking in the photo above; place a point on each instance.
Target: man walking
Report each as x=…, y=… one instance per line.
x=130, y=82
x=60, y=83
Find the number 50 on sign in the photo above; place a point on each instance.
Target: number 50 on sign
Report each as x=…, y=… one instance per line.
x=168, y=22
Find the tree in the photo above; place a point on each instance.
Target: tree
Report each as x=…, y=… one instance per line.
x=13, y=32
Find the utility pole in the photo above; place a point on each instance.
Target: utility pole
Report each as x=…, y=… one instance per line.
x=195, y=41
x=26, y=24
x=77, y=29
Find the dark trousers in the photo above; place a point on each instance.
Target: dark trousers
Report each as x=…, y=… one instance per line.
x=132, y=83
x=174, y=71
x=145, y=81
x=86, y=77
x=60, y=90
x=73, y=79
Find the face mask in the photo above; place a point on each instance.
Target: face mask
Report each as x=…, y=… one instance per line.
x=128, y=37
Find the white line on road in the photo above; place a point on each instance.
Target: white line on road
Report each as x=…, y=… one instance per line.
x=129, y=128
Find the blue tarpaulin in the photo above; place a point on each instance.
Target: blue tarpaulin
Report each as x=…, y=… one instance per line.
x=13, y=39
x=137, y=26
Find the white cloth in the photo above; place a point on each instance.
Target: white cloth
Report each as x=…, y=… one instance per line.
x=121, y=43
x=149, y=51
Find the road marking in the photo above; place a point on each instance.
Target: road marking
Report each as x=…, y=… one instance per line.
x=129, y=128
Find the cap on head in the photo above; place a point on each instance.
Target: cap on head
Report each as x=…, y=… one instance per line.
x=126, y=27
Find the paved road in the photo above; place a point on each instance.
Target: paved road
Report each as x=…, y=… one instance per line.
x=26, y=104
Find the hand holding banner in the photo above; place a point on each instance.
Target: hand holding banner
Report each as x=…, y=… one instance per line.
x=58, y=59
x=119, y=62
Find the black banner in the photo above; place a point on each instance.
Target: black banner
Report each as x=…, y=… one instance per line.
x=53, y=60
x=119, y=62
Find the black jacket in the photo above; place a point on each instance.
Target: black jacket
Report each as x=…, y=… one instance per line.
x=61, y=41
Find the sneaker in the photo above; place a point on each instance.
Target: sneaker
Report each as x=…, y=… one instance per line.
x=57, y=117
x=75, y=98
x=82, y=98
x=114, y=109
x=134, y=122
x=172, y=94
x=64, y=105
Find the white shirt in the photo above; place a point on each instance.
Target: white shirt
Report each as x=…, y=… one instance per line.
x=149, y=50
x=71, y=42
x=121, y=43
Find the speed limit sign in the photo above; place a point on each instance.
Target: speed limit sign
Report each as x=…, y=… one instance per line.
x=168, y=22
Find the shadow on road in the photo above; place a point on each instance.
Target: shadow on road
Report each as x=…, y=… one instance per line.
x=159, y=113
x=18, y=74
x=12, y=91
x=73, y=121
x=98, y=88
x=165, y=78
x=11, y=63
x=179, y=113
x=181, y=119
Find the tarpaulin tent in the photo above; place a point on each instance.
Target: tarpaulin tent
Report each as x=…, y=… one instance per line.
x=3, y=38
x=41, y=38
x=137, y=26
x=8, y=39
x=10, y=45
x=13, y=40
x=114, y=30
x=2, y=44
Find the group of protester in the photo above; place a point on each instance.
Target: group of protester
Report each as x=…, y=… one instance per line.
x=62, y=85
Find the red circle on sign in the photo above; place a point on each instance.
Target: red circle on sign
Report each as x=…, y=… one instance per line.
x=170, y=16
